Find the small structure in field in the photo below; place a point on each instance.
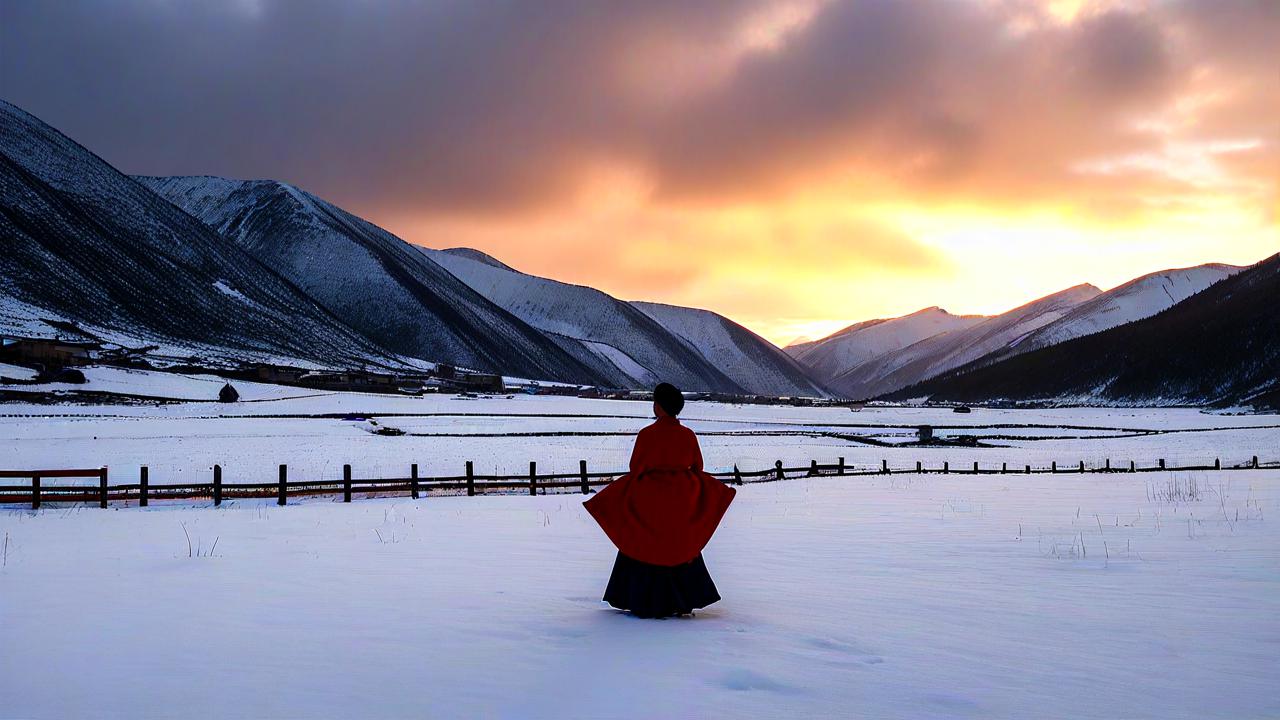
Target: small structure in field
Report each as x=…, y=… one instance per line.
x=962, y=409
x=924, y=433
x=228, y=394
x=65, y=375
x=278, y=374
x=46, y=352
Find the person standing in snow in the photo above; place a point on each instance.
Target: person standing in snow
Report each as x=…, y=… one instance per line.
x=660, y=515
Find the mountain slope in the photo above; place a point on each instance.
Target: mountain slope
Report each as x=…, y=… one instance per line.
x=945, y=351
x=1220, y=346
x=849, y=348
x=1137, y=299
x=753, y=362
x=371, y=279
x=613, y=336
x=86, y=244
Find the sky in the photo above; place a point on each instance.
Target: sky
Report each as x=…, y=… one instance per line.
x=796, y=165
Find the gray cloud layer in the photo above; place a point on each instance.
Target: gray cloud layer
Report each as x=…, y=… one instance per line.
x=481, y=106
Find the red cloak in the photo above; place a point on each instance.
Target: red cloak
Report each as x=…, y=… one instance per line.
x=664, y=511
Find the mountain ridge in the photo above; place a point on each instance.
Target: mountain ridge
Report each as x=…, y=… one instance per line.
x=614, y=336
x=89, y=245
x=373, y=280
x=758, y=365
x=1227, y=341
x=943, y=351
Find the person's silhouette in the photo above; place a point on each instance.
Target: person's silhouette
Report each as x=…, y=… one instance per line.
x=660, y=515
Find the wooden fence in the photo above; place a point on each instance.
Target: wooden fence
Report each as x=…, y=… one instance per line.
x=582, y=481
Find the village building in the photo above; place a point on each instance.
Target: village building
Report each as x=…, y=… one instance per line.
x=46, y=353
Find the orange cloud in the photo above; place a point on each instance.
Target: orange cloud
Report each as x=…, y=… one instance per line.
x=791, y=163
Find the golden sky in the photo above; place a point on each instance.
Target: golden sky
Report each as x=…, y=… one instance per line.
x=797, y=165
x=1098, y=142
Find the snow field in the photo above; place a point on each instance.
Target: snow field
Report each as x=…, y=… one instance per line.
x=181, y=442
x=905, y=596
x=908, y=596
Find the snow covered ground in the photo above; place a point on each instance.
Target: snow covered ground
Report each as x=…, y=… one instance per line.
x=303, y=428
x=911, y=596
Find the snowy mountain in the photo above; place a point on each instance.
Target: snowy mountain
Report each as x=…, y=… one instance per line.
x=951, y=349
x=90, y=252
x=865, y=341
x=1219, y=346
x=1134, y=300
x=374, y=281
x=613, y=336
x=880, y=356
x=753, y=362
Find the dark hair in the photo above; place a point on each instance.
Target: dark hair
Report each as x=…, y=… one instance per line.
x=668, y=398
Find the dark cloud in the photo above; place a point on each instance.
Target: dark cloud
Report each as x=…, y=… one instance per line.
x=929, y=94
x=481, y=107
x=446, y=103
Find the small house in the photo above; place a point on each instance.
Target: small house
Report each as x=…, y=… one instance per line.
x=278, y=374
x=480, y=382
x=46, y=352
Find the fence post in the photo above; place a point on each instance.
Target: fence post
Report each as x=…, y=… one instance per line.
x=813, y=468
x=582, y=472
x=217, y=484
x=471, y=480
x=102, y=487
x=919, y=466
x=840, y=467
x=884, y=466
x=1133, y=467
x=1108, y=466
x=1028, y=469
x=1161, y=463
x=35, y=492
x=737, y=475
x=975, y=467
x=1053, y=467
x=1217, y=463
x=1255, y=462
x=413, y=480
x=1004, y=468
x=1081, y=466
x=946, y=467
x=533, y=478
x=142, y=486
x=777, y=466
x=283, y=492
x=346, y=483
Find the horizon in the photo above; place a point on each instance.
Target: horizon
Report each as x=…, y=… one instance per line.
x=812, y=164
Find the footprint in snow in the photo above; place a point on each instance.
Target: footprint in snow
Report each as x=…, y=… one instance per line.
x=839, y=651
x=743, y=679
x=950, y=701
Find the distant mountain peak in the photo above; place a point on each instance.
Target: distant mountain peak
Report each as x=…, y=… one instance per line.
x=371, y=279
x=86, y=244
x=479, y=256
x=637, y=343
x=1220, y=344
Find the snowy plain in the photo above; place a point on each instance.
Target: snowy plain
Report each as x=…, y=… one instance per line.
x=908, y=596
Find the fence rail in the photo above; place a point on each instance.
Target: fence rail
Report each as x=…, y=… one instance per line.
x=415, y=485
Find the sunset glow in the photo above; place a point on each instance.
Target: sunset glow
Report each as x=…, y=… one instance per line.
x=797, y=165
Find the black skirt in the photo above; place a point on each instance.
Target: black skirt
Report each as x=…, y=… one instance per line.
x=656, y=591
